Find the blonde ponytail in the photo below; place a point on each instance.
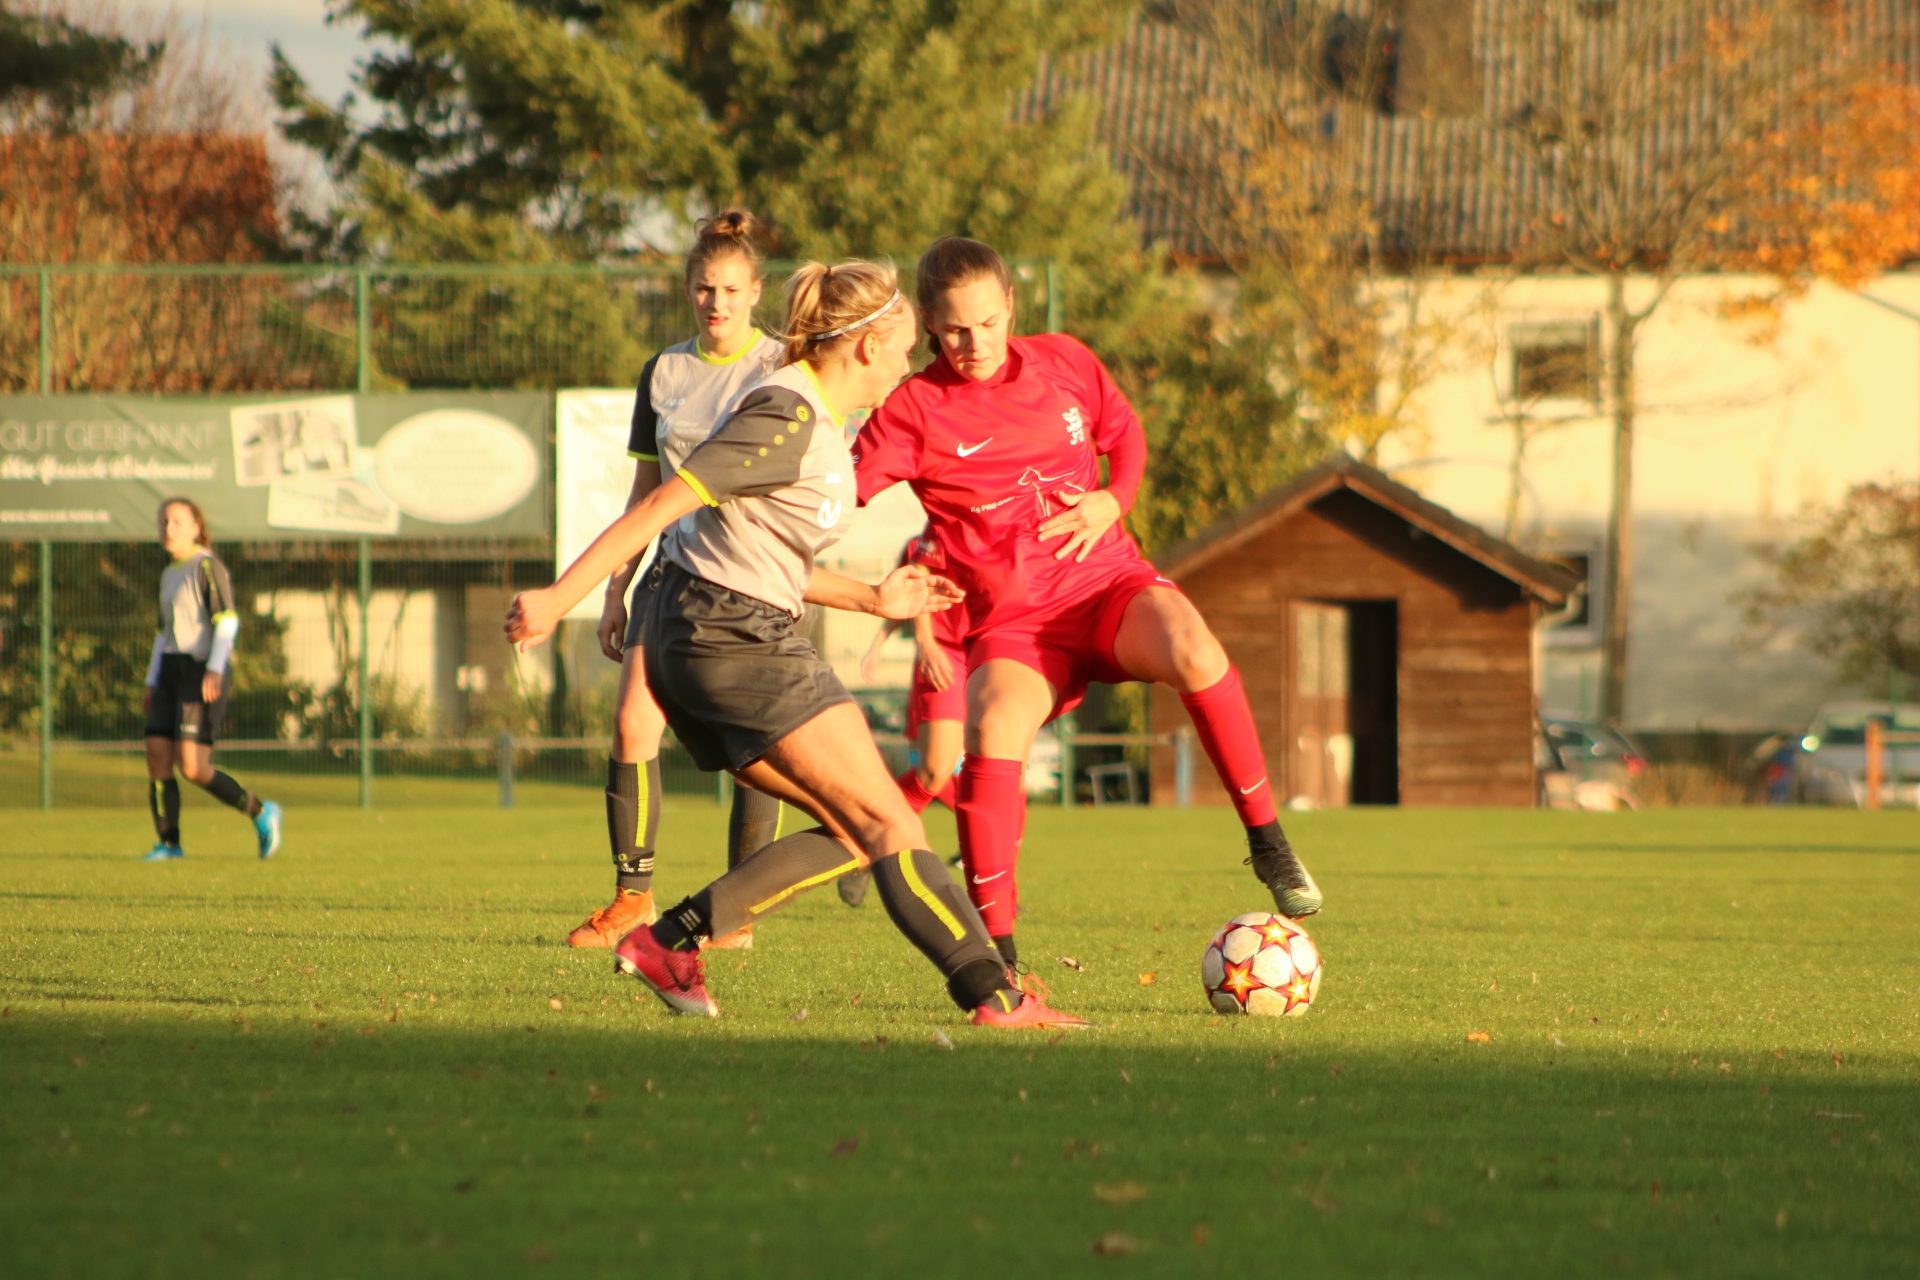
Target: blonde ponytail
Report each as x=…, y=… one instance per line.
x=828, y=303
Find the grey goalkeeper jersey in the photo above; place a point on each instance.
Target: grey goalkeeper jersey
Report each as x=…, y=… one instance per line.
x=686, y=394
x=777, y=482
x=195, y=594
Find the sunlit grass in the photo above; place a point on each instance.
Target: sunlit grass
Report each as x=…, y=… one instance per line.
x=373, y=1056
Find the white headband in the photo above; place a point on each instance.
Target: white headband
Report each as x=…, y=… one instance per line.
x=865, y=320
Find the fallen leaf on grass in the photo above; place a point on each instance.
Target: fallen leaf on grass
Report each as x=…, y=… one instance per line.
x=846, y=1146
x=1115, y=1242
x=1480, y=1037
x=942, y=1039
x=797, y=1017
x=1200, y=1236
x=858, y=996
x=1073, y=964
x=1837, y=1059
x=554, y=1003
x=1558, y=1041
x=1146, y=979
x=1120, y=1192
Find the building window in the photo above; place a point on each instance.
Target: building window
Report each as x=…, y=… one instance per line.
x=1555, y=362
x=1580, y=628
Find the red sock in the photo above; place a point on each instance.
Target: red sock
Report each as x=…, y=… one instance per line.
x=991, y=810
x=915, y=790
x=1225, y=724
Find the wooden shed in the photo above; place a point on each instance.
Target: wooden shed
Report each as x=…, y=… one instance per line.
x=1387, y=645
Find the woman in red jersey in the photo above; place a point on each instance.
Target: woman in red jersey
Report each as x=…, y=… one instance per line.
x=936, y=700
x=1001, y=439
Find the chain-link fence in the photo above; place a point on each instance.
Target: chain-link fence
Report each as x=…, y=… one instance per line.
x=161, y=330
x=366, y=672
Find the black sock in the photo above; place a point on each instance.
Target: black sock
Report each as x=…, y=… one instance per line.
x=757, y=887
x=223, y=788
x=753, y=824
x=1267, y=837
x=633, y=809
x=1008, y=952
x=164, y=799
x=933, y=911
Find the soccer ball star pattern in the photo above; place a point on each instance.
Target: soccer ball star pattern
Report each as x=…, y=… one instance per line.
x=1261, y=964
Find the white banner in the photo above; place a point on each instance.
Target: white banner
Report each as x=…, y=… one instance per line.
x=592, y=474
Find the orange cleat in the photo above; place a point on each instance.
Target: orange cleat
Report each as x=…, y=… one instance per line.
x=1030, y=1012
x=740, y=939
x=605, y=927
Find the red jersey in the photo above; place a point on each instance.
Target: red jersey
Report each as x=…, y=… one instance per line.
x=950, y=626
x=988, y=460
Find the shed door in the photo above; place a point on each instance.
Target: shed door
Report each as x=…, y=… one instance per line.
x=1322, y=760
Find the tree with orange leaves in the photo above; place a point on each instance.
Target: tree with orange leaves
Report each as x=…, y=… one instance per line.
x=1642, y=141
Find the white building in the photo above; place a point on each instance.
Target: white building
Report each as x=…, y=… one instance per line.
x=1743, y=438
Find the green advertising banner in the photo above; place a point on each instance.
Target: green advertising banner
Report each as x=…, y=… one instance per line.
x=417, y=465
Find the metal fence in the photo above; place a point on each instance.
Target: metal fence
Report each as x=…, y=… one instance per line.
x=172, y=329
x=367, y=671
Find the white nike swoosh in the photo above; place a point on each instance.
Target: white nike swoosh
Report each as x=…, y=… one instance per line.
x=1255, y=787
x=984, y=879
x=967, y=450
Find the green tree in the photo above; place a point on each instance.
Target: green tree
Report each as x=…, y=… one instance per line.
x=52, y=69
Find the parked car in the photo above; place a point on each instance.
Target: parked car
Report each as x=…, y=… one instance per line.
x=1587, y=766
x=1831, y=766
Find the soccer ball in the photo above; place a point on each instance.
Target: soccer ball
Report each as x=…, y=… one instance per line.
x=1261, y=964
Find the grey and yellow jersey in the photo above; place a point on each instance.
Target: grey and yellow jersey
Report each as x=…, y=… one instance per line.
x=195, y=595
x=777, y=482
x=686, y=394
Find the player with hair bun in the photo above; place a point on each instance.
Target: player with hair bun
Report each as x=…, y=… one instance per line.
x=686, y=392
x=752, y=507
x=1001, y=439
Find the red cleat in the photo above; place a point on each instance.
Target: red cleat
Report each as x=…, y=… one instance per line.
x=1030, y=1012
x=677, y=977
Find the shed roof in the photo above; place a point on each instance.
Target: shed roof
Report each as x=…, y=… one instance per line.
x=1551, y=583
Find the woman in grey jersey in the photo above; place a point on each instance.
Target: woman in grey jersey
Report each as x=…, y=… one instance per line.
x=187, y=683
x=751, y=508
x=685, y=392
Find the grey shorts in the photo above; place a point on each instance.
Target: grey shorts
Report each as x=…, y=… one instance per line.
x=733, y=675
x=638, y=606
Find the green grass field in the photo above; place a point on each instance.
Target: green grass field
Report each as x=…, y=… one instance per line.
x=373, y=1057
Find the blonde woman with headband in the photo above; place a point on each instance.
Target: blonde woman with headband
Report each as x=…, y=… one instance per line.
x=686, y=392
x=743, y=688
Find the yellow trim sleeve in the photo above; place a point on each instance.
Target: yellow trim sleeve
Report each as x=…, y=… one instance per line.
x=700, y=491
x=761, y=908
x=643, y=457
x=920, y=891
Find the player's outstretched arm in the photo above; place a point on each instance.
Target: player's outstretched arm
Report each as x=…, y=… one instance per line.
x=535, y=614
x=907, y=592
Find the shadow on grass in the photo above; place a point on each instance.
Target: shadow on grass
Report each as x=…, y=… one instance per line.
x=616, y=1141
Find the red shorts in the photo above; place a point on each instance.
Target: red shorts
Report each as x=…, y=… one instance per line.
x=1074, y=647
x=924, y=702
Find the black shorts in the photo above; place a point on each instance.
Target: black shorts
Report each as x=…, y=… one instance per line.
x=639, y=606
x=733, y=675
x=178, y=708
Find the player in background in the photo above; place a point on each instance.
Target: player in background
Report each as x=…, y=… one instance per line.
x=936, y=700
x=188, y=682
x=742, y=687
x=1001, y=439
x=686, y=391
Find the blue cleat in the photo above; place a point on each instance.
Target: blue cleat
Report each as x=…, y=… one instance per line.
x=164, y=852
x=267, y=827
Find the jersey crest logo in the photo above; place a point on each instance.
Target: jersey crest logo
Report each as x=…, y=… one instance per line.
x=1076, y=426
x=800, y=413
x=1031, y=478
x=829, y=513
